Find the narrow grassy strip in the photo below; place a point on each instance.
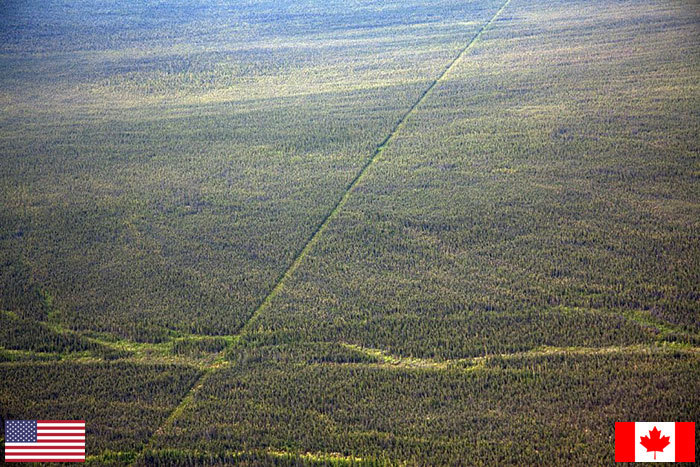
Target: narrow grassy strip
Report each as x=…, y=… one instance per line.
x=396, y=361
x=665, y=329
x=174, y=350
x=393, y=361
x=22, y=357
x=546, y=350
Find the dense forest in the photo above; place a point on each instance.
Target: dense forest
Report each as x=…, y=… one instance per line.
x=375, y=232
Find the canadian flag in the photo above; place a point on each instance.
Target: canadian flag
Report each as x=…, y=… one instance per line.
x=655, y=442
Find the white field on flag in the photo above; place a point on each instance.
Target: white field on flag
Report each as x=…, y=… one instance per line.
x=56, y=440
x=642, y=429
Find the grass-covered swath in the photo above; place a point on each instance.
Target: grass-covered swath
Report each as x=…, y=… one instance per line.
x=29, y=335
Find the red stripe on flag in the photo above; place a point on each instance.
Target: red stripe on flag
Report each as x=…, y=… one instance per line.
x=60, y=421
x=685, y=442
x=624, y=441
x=46, y=449
x=58, y=429
x=48, y=445
x=59, y=439
x=58, y=459
x=60, y=425
x=42, y=453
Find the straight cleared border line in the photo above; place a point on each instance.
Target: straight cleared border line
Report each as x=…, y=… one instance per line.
x=313, y=238
x=353, y=184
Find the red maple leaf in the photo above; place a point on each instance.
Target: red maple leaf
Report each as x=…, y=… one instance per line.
x=655, y=442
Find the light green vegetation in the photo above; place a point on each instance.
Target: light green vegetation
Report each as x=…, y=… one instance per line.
x=350, y=233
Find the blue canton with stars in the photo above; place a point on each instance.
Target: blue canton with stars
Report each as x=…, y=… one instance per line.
x=20, y=431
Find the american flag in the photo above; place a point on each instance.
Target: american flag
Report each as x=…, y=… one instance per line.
x=44, y=440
